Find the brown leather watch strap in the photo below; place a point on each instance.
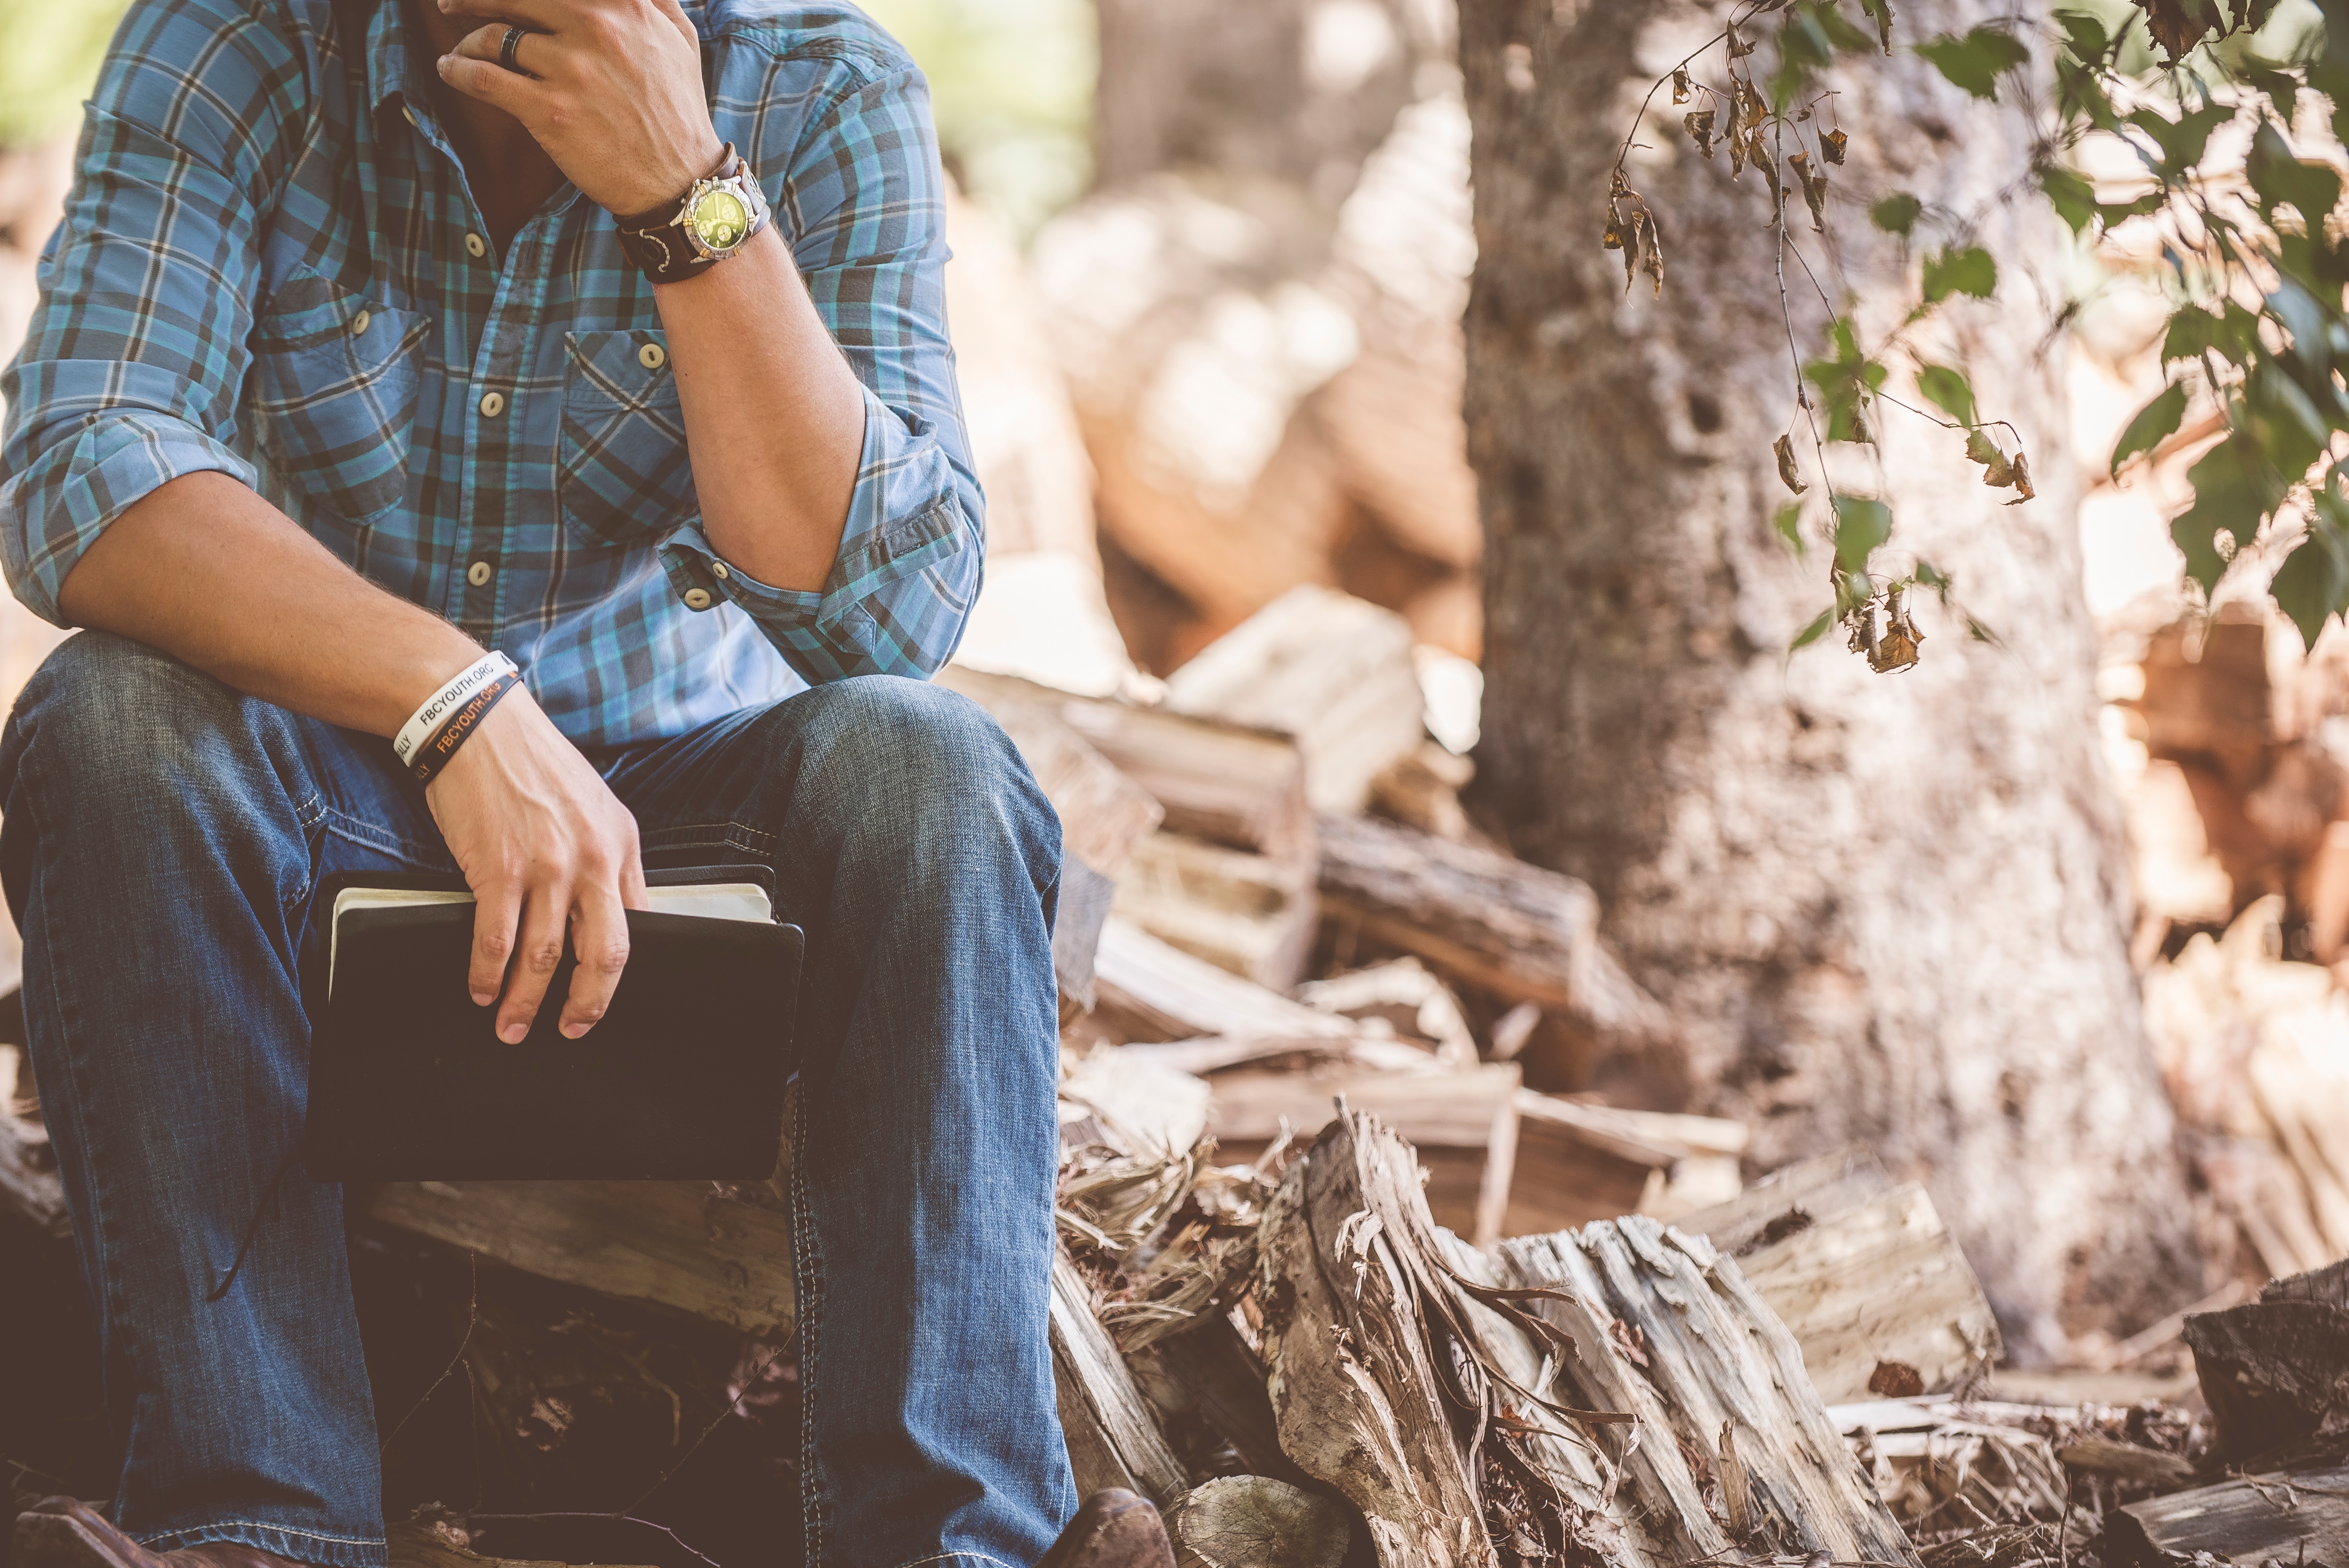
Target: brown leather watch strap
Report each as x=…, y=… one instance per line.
x=657, y=241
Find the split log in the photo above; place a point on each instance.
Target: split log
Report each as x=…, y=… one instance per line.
x=1226, y=783
x=1112, y=1437
x=1334, y=671
x=1865, y=1275
x=2275, y=1373
x=1208, y=1375
x=1373, y=1357
x=1668, y=1328
x=690, y=1245
x=1789, y=1199
x=1517, y=931
x=1247, y=913
x=2279, y=1518
x=1462, y=1125
x=1578, y=1162
x=1411, y=1001
x=1151, y=990
x=1256, y=1522
x=1103, y=813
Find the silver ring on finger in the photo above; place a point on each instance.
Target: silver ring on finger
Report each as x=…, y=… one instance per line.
x=514, y=36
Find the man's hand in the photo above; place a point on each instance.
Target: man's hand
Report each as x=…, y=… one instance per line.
x=617, y=103
x=545, y=846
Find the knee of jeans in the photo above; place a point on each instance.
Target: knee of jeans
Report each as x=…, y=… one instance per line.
x=939, y=749
x=105, y=714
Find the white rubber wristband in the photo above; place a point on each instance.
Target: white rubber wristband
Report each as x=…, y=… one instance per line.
x=427, y=719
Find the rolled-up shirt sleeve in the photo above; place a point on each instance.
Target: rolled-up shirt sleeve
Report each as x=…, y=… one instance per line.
x=130, y=374
x=864, y=199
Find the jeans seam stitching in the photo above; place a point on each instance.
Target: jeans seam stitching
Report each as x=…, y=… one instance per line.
x=754, y=840
x=259, y=1525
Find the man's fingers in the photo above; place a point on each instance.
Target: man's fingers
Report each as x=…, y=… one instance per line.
x=492, y=84
x=537, y=950
x=489, y=43
x=599, y=937
x=544, y=15
x=495, y=914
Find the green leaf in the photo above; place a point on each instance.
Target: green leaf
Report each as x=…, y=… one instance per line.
x=1974, y=61
x=2193, y=332
x=1895, y=214
x=2234, y=491
x=2282, y=91
x=1860, y=526
x=1816, y=629
x=1970, y=271
x=2154, y=424
x=2084, y=35
x=1948, y=390
x=2282, y=178
x=2074, y=198
x=2181, y=141
x=2311, y=586
x=1788, y=521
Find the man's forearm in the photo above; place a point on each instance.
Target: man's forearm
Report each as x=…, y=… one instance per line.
x=213, y=574
x=774, y=418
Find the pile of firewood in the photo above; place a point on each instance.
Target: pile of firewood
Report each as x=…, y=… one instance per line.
x=1334, y=1277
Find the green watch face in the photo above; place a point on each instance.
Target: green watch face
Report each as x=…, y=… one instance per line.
x=720, y=219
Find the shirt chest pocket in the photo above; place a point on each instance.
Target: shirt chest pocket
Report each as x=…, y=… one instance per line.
x=622, y=472
x=334, y=384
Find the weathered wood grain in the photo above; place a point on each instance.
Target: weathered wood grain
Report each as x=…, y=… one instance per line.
x=2283, y=1518
x=1667, y=1327
x=1113, y=1439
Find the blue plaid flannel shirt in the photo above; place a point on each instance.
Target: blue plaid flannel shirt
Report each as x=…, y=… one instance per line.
x=271, y=266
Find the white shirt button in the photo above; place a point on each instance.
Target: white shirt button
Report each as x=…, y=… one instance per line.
x=720, y=569
x=492, y=405
x=698, y=599
x=360, y=323
x=652, y=357
x=478, y=573
x=476, y=246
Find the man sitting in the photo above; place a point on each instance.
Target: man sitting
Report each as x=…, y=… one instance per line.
x=393, y=345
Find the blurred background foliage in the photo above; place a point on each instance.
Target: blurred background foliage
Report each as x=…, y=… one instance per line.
x=1012, y=80
x=49, y=54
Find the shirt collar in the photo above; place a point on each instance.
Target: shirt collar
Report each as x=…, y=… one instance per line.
x=391, y=55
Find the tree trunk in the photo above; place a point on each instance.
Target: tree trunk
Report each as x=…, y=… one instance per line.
x=1886, y=911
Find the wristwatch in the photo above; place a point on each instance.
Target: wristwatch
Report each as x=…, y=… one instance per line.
x=687, y=237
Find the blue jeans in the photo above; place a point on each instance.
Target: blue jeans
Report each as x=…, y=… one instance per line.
x=160, y=841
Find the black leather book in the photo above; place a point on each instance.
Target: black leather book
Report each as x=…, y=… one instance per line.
x=682, y=1079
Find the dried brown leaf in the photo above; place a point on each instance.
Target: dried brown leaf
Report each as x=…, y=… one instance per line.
x=1612, y=239
x=1633, y=242
x=1739, y=47
x=1896, y=1380
x=1769, y=168
x=2023, y=490
x=2172, y=27
x=1884, y=24
x=1831, y=146
x=1652, y=254
x=1700, y=130
x=1814, y=189
x=1792, y=476
x=1680, y=85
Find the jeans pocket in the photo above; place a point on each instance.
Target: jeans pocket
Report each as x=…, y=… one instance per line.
x=335, y=386
x=622, y=472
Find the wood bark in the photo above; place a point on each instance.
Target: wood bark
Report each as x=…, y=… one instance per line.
x=1462, y=1126
x=1113, y=1439
x=1223, y=783
x=1331, y=670
x=1889, y=911
x=1256, y=1522
x=1863, y=1274
x=1737, y=1454
x=2258, y=1519
x=1517, y=931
